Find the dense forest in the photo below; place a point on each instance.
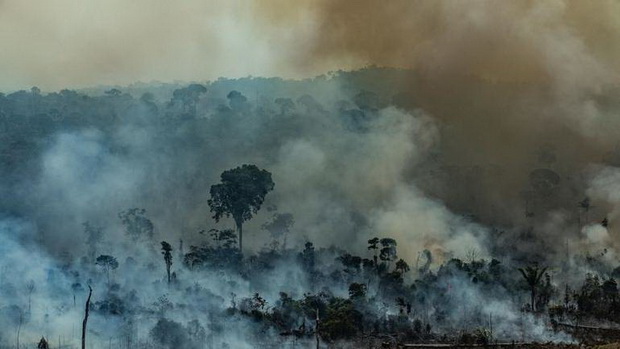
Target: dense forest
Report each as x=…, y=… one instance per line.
x=338, y=211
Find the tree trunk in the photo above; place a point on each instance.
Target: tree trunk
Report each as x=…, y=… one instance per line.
x=86, y=310
x=19, y=327
x=316, y=330
x=533, y=299
x=240, y=230
x=168, y=271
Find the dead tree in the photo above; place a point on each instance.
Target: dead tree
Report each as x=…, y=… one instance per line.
x=90, y=292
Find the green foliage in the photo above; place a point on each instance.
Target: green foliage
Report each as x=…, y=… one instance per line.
x=240, y=194
x=357, y=291
x=341, y=321
x=351, y=263
x=388, y=250
x=226, y=239
x=112, y=304
x=595, y=299
x=207, y=256
x=107, y=262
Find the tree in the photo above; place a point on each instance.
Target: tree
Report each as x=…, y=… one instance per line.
x=166, y=250
x=137, y=225
x=372, y=245
x=307, y=257
x=43, y=344
x=169, y=334
x=532, y=275
x=610, y=289
x=402, y=266
x=357, y=291
x=240, y=194
x=388, y=251
x=188, y=97
x=86, y=310
x=107, y=263
x=237, y=100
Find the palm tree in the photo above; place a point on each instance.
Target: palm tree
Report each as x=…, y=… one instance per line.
x=532, y=275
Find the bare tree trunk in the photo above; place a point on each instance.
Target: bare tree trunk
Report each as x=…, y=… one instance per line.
x=533, y=299
x=19, y=327
x=316, y=330
x=86, y=310
x=240, y=230
x=168, y=265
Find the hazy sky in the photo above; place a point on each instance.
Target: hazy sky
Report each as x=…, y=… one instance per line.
x=63, y=43
x=59, y=43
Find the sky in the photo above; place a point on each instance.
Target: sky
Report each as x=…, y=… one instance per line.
x=62, y=43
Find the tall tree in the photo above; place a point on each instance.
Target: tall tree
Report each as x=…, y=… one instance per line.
x=107, y=263
x=532, y=275
x=240, y=194
x=166, y=250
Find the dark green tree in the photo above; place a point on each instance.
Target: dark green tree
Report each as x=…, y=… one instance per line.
x=240, y=194
x=357, y=291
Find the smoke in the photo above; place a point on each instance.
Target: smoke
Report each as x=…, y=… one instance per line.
x=66, y=45
x=490, y=141
x=514, y=86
